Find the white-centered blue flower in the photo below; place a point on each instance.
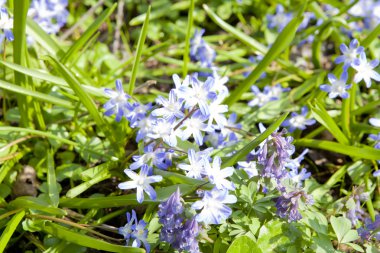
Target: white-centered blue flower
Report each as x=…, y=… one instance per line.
x=171, y=108
x=196, y=167
x=127, y=229
x=118, y=103
x=164, y=129
x=338, y=87
x=193, y=127
x=365, y=70
x=349, y=53
x=298, y=121
x=140, y=234
x=250, y=168
x=198, y=93
x=280, y=19
x=214, y=210
x=141, y=182
x=298, y=176
x=217, y=113
x=6, y=24
x=152, y=156
x=217, y=176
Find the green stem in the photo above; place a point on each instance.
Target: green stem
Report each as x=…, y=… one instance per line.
x=188, y=35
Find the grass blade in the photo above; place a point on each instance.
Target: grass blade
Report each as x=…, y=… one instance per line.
x=79, y=189
x=73, y=51
x=52, y=181
x=364, y=152
x=241, y=154
x=321, y=115
x=10, y=229
x=282, y=42
x=25, y=92
x=35, y=203
x=140, y=45
x=65, y=234
x=186, y=57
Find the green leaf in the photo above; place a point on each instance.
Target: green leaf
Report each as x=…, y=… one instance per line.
x=86, y=241
x=350, y=236
x=124, y=200
x=73, y=51
x=35, y=203
x=244, y=244
x=322, y=244
x=355, y=247
x=176, y=178
x=10, y=229
x=240, y=155
x=341, y=226
x=51, y=79
x=317, y=221
x=25, y=92
x=140, y=45
x=282, y=42
x=75, y=191
x=363, y=151
x=186, y=53
x=321, y=115
x=51, y=180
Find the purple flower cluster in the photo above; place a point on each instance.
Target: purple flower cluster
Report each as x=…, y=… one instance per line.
x=136, y=230
x=288, y=204
x=353, y=204
x=51, y=15
x=370, y=230
x=180, y=232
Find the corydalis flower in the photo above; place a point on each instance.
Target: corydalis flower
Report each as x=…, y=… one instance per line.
x=338, y=87
x=288, y=204
x=181, y=234
x=214, y=210
x=353, y=204
x=118, y=103
x=365, y=70
x=370, y=229
x=349, y=53
x=298, y=121
x=141, y=182
x=6, y=24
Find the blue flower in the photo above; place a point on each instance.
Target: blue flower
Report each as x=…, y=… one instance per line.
x=141, y=182
x=137, y=112
x=214, y=210
x=193, y=127
x=370, y=229
x=217, y=176
x=295, y=163
x=164, y=129
x=280, y=19
x=118, y=103
x=376, y=173
x=150, y=157
x=6, y=24
x=365, y=70
x=140, y=234
x=51, y=15
x=298, y=121
x=127, y=230
x=171, y=108
x=197, y=163
x=338, y=87
x=376, y=138
x=269, y=93
x=288, y=204
x=250, y=168
x=298, y=176
x=349, y=53
x=201, y=51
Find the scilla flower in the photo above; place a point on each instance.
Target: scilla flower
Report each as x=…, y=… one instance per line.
x=349, y=53
x=118, y=103
x=214, y=210
x=338, y=87
x=365, y=70
x=141, y=182
x=136, y=230
x=6, y=24
x=298, y=121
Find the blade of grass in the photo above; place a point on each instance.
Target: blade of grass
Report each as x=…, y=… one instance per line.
x=125, y=200
x=140, y=45
x=282, y=42
x=65, y=234
x=40, y=74
x=364, y=152
x=73, y=50
x=52, y=136
x=35, y=203
x=25, y=104
x=25, y=92
x=186, y=53
x=10, y=229
x=79, y=189
x=51, y=180
x=321, y=115
x=241, y=154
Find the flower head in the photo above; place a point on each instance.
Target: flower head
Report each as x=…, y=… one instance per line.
x=337, y=87
x=280, y=19
x=217, y=176
x=365, y=70
x=288, y=204
x=250, y=168
x=171, y=108
x=298, y=121
x=150, y=157
x=194, y=126
x=141, y=182
x=197, y=163
x=214, y=210
x=6, y=24
x=118, y=103
x=127, y=229
x=136, y=230
x=349, y=53
x=201, y=51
